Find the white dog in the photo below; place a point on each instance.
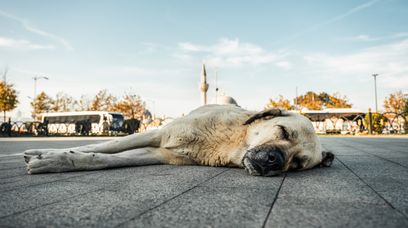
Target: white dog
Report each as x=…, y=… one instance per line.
x=264, y=143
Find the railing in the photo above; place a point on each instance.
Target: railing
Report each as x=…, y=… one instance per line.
x=382, y=123
x=35, y=128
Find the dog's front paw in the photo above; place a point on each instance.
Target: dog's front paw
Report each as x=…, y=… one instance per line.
x=46, y=160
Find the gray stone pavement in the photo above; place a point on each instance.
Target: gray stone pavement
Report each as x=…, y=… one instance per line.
x=367, y=186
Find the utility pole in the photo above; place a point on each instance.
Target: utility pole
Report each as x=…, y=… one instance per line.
x=36, y=78
x=296, y=98
x=5, y=75
x=375, y=91
x=216, y=86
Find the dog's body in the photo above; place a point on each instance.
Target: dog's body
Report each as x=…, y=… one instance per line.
x=264, y=143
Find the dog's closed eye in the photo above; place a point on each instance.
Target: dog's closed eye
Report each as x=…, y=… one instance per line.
x=284, y=132
x=296, y=163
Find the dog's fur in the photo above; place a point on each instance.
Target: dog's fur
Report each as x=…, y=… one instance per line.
x=213, y=135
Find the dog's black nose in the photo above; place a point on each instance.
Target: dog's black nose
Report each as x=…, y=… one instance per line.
x=267, y=161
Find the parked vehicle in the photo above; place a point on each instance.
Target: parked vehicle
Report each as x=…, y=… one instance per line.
x=84, y=123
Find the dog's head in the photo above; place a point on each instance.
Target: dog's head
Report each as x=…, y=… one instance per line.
x=279, y=141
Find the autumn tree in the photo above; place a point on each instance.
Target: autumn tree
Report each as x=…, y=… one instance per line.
x=395, y=102
x=335, y=101
x=310, y=100
x=314, y=101
x=83, y=104
x=279, y=102
x=41, y=104
x=103, y=101
x=131, y=106
x=8, y=98
x=62, y=103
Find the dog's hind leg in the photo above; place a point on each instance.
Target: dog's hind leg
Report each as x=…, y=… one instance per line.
x=57, y=161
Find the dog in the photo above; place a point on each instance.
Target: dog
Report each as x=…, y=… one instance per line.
x=264, y=143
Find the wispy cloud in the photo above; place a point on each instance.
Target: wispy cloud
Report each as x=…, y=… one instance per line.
x=232, y=53
x=30, y=28
x=332, y=20
x=368, y=38
x=389, y=60
x=21, y=44
x=344, y=15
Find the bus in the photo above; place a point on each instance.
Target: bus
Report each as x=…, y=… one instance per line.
x=84, y=122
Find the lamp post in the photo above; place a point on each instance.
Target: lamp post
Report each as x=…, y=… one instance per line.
x=36, y=78
x=375, y=91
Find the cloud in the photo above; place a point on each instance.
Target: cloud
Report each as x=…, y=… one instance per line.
x=232, y=53
x=21, y=44
x=389, y=60
x=30, y=28
x=284, y=65
x=187, y=46
x=368, y=38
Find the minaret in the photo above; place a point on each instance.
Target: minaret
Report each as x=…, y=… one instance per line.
x=204, y=85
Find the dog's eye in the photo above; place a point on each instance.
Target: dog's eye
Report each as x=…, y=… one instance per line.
x=285, y=133
x=296, y=163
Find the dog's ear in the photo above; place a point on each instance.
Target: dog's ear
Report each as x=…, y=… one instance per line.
x=327, y=159
x=269, y=113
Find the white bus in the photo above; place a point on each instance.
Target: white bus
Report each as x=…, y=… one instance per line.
x=84, y=122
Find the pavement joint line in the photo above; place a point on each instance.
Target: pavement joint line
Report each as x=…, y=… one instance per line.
x=385, y=159
x=168, y=200
x=368, y=185
x=10, y=155
x=12, y=189
x=273, y=202
x=382, y=147
x=50, y=203
x=53, y=202
x=7, y=177
x=18, y=167
x=221, y=187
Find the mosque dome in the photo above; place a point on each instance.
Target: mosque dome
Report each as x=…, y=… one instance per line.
x=223, y=100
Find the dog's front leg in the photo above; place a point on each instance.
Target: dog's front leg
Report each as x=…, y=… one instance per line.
x=140, y=140
x=62, y=161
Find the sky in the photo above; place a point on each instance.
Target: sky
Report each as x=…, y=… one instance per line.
x=155, y=49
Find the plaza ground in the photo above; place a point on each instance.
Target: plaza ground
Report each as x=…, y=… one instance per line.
x=367, y=186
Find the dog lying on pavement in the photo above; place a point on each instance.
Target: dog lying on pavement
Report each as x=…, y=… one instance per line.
x=264, y=143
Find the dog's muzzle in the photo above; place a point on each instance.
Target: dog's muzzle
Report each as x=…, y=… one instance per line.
x=264, y=161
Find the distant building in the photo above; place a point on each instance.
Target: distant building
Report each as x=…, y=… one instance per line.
x=336, y=120
x=222, y=100
x=204, y=85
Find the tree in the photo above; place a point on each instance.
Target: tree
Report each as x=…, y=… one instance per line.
x=336, y=101
x=314, y=101
x=83, y=104
x=42, y=103
x=310, y=101
x=8, y=98
x=378, y=122
x=62, y=103
x=131, y=106
x=279, y=102
x=103, y=101
x=395, y=102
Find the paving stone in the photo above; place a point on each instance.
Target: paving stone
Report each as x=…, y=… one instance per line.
x=211, y=207
x=365, y=187
x=118, y=203
x=388, y=179
x=334, y=197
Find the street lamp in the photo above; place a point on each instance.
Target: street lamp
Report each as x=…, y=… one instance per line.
x=375, y=90
x=35, y=83
x=154, y=107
